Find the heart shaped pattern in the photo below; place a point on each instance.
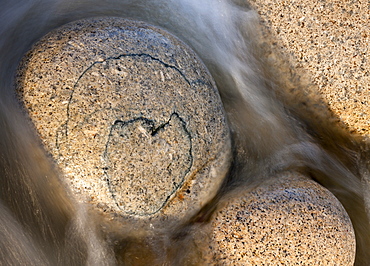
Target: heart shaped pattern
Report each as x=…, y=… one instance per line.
x=138, y=152
x=143, y=164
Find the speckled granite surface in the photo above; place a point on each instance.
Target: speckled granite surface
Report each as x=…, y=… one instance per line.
x=131, y=116
x=290, y=221
x=328, y=40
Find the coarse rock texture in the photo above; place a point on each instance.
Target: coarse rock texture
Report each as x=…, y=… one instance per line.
x=289, y=221
x=329, y=41
x=130, y=114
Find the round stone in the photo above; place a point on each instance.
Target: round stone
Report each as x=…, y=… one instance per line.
x=130, y=114
x=291, y=220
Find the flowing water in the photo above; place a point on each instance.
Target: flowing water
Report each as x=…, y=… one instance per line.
x=40, y=224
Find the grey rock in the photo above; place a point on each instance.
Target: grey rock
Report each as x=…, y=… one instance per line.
x=131, y=116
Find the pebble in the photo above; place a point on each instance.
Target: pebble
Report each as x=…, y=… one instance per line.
x=130, y=114
x=291, y=220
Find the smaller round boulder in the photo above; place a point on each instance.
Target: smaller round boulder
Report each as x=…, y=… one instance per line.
x=291, y=220
x=130, y=114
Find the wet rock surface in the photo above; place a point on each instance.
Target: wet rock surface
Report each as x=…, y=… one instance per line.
x=290, y=221
x=130, y=114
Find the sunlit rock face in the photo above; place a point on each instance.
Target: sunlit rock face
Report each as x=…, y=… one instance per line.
x=290, y=220
x=131, y=116
x=326, y=41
